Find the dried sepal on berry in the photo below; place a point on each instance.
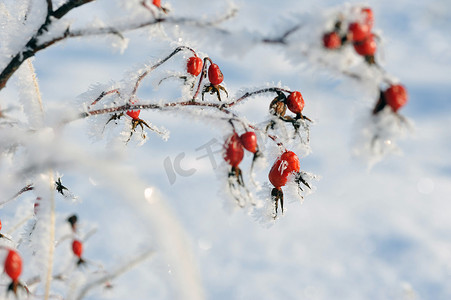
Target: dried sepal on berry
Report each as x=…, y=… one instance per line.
x=278, y=106
x=73, y=221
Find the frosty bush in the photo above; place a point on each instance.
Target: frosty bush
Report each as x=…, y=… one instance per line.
x=34, y=149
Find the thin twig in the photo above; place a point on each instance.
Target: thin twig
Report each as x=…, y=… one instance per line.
x=32, y=46
x=282, y=39
x=249, y=94
x=19, y=224
x=202, y=76
x=26, y=188
x=103, y=94
x=121, y=270
x=145, y=73
x=49, y=277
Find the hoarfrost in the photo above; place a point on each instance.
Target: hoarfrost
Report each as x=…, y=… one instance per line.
x=56, y=30
x=379, y=134
x=29, y=94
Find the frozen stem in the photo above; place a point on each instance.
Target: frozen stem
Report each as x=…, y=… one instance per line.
x=121, y=270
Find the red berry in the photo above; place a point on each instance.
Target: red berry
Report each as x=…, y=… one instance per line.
x=215, y=75
x=331, y=40
x=157, y=3
x=249, y=141
x=0, y=225
x=396, y=96
x=36, y=205
x=286, y=164
x=359, y=31
x=233, y=150
x=77, y=248
x=194, y=65
x=13, y=265
x=295, y=102
x=369, y=17
x=134, y=114
x=367, y=47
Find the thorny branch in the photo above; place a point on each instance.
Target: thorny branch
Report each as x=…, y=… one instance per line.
x=131, y=103
x=174, y=105
x=26, y=188
x=141, y=77
x=33, y=46
x=169, y=105
x=282, y=39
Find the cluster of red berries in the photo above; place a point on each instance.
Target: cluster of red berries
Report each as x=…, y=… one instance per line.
x=136, y=121
x=235, y=145
x=195, y=65
x=234, y=152
x=2, y=236
x=286, y=164
x=358, y=33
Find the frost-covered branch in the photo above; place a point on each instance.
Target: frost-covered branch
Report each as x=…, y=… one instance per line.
x=39, y=41
x=26, y=188
x=32, y=46
x=110, y=276
x=282, y=38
